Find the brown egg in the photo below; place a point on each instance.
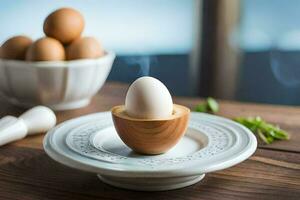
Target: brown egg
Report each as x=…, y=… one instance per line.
x=46, y=49
x=86, y=47
x=15, y=48
x=65, y=25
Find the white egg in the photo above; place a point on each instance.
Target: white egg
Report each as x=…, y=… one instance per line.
x=148, y=98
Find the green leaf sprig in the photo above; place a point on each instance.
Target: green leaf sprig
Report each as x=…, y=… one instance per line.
x=267, y=132
x=210, y=105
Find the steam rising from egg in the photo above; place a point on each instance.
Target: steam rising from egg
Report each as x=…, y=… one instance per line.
x=143, y=62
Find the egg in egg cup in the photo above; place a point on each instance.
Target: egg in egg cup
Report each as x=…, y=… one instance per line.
x=149, y=122
x=151, y=136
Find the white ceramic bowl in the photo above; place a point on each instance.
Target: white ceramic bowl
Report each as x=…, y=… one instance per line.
x=59, y=85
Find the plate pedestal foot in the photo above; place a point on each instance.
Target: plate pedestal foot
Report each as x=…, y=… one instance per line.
x=151, y=184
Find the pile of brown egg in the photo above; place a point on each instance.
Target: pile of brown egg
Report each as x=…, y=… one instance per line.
x=63, y=41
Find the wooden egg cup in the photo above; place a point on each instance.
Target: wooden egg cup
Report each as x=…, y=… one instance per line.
x=151, y=136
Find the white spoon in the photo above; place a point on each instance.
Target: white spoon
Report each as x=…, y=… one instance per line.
x=36, y=120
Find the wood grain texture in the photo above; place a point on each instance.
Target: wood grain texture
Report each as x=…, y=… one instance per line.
x=151, y=136
x=31, y=174
x=27, y=173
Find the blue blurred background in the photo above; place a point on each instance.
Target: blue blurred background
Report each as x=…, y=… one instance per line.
x=161, y=38
x=270, y=37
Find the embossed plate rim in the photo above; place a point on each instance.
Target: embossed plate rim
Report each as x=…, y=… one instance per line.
x=212, y=146
x=72, y=159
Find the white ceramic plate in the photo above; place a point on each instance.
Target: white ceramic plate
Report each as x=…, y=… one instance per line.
x=91, y=143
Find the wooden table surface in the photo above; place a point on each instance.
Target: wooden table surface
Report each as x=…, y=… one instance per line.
x=273, y=172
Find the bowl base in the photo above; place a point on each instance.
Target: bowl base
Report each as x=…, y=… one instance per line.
x=56, y=107
x=70, y=105
x=151, y=184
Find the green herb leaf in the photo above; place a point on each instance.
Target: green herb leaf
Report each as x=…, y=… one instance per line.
x=212, y=104
x=209, y=106
x=263, y=137
x=265, y=131
x=201, y=108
